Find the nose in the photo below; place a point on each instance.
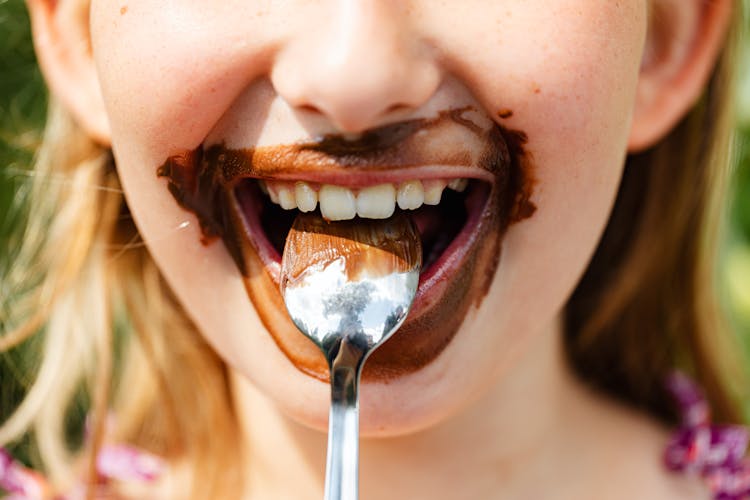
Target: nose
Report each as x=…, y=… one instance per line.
x=361, y=67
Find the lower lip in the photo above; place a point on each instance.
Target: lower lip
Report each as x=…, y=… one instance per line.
x=459, y=279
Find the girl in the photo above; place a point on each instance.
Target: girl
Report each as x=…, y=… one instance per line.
x=564, y=162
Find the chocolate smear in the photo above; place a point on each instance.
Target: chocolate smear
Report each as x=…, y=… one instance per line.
x=210, y=182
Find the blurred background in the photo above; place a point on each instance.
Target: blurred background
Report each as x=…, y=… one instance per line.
x=22, y=111
x=735, y=265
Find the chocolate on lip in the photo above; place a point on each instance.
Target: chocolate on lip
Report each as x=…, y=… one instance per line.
x=204, y=181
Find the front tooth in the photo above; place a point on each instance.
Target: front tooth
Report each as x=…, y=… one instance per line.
x=458, y=184
x=433, y=191
x=410, y=195
x=376, y=202
x=307, y=197
x=273, y=191
x=287, y=200
x=337, y=203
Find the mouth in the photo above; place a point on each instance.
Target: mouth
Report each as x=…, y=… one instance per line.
x=461, y=184
x=446, y=212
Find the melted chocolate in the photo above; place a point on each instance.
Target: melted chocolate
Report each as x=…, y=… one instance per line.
x=203, y=181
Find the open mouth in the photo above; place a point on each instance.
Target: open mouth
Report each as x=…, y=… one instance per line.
x=445, y=211
x=462, y=181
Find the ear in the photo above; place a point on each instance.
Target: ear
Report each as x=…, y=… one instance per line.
x=683, y=42
x=60, y=29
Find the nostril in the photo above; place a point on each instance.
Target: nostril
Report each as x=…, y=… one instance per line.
x=355, y=116
x=395, y=108
x=309, y=108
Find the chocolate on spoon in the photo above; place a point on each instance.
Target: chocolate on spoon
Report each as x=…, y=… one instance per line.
x=348, y=286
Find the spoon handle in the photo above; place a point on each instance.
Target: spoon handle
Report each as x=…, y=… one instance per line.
x=342, y=467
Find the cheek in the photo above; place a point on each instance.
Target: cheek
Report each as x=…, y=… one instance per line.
x=570, y=86
x=169, y=72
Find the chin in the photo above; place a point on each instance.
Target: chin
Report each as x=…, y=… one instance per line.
x=405, y=405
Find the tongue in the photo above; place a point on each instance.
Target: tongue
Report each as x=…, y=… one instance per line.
x=366, y=246
x=429, y=223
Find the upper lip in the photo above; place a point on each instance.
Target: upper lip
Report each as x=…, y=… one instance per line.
x=358, y=178
x=444, y=147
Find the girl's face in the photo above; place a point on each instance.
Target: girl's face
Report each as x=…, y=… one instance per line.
x=521, y=97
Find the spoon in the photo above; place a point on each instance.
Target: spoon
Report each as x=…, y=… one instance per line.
x=348, y=286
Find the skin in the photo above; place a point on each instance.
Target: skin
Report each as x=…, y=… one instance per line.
x=262, y=92
x=569, y=74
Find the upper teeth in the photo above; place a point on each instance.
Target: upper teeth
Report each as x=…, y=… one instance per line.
x=373, y=202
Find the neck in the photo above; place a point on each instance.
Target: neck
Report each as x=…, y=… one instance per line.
x=525, y=412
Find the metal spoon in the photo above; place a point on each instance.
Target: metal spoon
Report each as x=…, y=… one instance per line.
x=348, y=286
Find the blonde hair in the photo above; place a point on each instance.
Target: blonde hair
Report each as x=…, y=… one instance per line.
x=98, y=295
x=648, y=301
x=109, y=323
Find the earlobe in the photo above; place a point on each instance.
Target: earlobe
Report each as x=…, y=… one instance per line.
x=60, y=29
x=683, y=44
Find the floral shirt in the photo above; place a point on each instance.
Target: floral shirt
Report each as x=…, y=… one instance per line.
x=698, y=447
x=114, y=462
x=715, y=452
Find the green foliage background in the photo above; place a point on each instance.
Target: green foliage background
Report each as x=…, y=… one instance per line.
x=735, y=266
x=22, y=110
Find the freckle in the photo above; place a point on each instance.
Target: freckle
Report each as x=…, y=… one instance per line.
x=505, y=113
x=123, y=10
